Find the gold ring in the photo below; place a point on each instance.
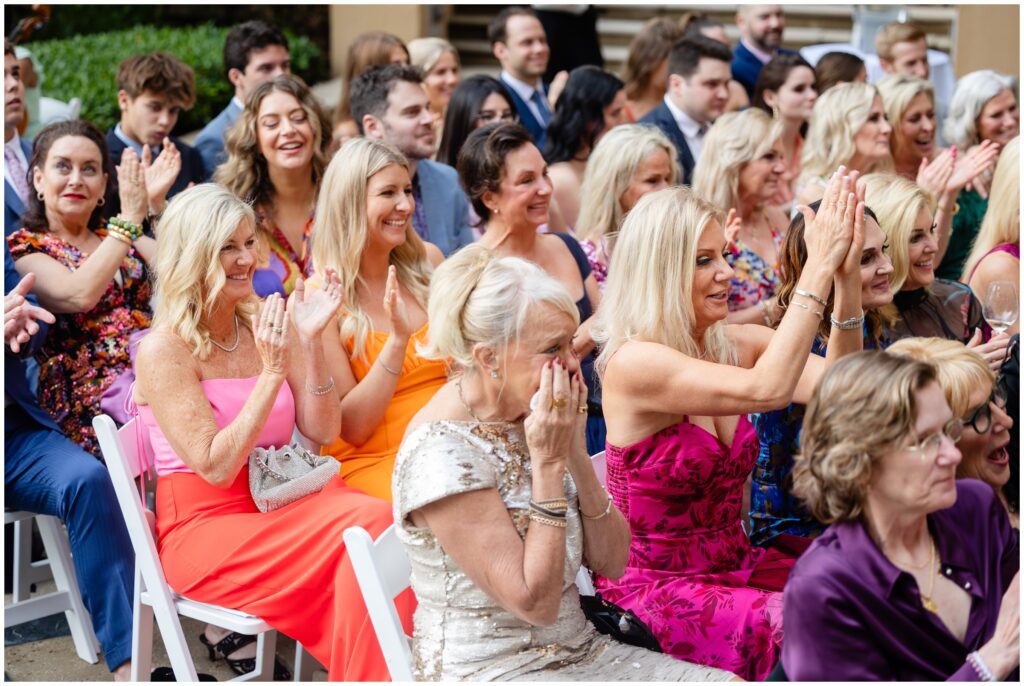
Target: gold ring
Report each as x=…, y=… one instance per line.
x=559, y=403
x=582, y=409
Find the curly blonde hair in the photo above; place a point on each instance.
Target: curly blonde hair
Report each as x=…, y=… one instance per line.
x=245, y=171
x=863, y=407
x=340, y=233
x=736, y=139
x=898, y=201
x=839, y=114
x=188, y=272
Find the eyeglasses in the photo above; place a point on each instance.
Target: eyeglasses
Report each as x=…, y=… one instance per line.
x=929, y=446
x=489, y=116
x=980, y=419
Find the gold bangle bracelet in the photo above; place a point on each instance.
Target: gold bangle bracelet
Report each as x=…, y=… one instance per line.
x=607, y=511
x=120, y=237
x=553, y=502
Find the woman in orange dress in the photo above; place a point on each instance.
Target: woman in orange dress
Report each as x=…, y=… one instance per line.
x=363, y=230
x=217, y=381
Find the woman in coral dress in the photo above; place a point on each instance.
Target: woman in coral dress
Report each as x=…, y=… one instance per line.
x=363, y=229
x=217, y=382
x=678, y=383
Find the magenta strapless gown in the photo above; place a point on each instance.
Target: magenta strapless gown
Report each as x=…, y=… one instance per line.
x=681, y=490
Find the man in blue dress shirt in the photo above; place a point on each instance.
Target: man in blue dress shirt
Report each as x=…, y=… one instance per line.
x=254, y=52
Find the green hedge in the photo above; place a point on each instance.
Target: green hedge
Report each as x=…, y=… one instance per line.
x=86, y=67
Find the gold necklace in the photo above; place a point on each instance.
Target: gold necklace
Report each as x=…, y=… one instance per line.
x=462, y=397
x=926, y=598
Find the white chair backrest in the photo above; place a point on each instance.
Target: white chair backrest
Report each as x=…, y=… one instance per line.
x=120, y=452
x=382, y=570
x=600, y=467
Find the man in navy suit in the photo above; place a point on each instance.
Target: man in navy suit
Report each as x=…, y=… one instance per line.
x=519, y=43
x=254, y=52
x=153, y=89
x=46, y=473
x=390, y=104
x=761, y=28
x=17, y=152
x=698, y=89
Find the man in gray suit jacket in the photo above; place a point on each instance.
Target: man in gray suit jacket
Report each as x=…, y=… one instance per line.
x=389, y=104
x=254, y=52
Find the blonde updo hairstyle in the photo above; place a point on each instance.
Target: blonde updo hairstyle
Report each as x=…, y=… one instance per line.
x=839, y=114
x=736, y=139
x=898, y=91
x=188, y=272
x=833, y=471
x=649, y=291
x=340, y=233
x=610, y=170
x=480, y=299
x=897, y=202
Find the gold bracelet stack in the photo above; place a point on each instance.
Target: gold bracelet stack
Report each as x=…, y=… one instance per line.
x=550, y=512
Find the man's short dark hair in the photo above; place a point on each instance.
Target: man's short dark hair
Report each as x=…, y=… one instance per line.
x=243, y=38
x=370, y=90
x=497, y=30
x=685, y=56
x=9, y=48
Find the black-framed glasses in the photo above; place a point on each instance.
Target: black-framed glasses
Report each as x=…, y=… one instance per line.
x=980, y=418
x=929, y=446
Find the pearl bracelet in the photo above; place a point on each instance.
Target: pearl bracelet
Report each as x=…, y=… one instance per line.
x=980, y=668
x=606, y=512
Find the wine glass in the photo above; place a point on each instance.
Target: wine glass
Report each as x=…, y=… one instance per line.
x=1001, y=306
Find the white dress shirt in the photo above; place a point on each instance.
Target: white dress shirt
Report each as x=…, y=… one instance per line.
x=526, y=91
x=693, y=131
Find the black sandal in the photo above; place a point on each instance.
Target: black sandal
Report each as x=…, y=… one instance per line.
x=167, y=674
x=235, y=641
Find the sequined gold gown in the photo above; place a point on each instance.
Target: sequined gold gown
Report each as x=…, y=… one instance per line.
x=460, y=633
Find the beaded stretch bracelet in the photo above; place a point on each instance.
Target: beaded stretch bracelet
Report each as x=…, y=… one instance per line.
x=980, y=668
x=133, y=231
x=847, y=324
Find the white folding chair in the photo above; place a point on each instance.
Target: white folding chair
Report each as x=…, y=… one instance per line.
x=152, y=594
x=67, y=598
x=600, y=466
x=382, y=570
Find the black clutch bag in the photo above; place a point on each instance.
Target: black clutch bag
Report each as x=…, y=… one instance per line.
x=622, y=625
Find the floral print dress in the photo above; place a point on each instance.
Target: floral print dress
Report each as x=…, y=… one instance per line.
x=85, y=352
x=284, y=266
x=755, y=280
x=690, y=571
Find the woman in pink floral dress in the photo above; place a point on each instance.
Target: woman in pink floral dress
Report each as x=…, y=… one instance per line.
x=678, y=383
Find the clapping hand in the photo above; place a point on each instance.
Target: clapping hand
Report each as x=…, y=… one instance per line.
x=828, y=233
x=131, y=181
x=160, y=173
x=934, y=176
x=395, y=308
x=850, y=267
x=272, y=335
x=20, y=316
x=970, y=171
x=313, y=309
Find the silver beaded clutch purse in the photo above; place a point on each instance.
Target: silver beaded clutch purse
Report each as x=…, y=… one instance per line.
x=279, y=476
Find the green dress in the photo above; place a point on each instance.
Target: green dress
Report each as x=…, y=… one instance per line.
x=966, y=224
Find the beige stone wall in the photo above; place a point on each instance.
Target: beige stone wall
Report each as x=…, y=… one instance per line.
x=988, y=37
x=348, y=21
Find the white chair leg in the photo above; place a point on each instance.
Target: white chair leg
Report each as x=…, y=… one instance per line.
x=174, y=641
x=59, y=553
x=305, y=664
x=22, y=560
x=266, y=652
x=142, y=635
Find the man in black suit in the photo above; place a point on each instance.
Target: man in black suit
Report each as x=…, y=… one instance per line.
x=698, y=89
x=153, y=89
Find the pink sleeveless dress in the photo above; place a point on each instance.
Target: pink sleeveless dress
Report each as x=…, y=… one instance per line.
x=690, y=562
x=289, y=566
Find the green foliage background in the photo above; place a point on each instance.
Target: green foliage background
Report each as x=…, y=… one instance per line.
x=85, y=66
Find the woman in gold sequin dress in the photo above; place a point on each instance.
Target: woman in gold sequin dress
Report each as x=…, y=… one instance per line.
x=498, y=506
